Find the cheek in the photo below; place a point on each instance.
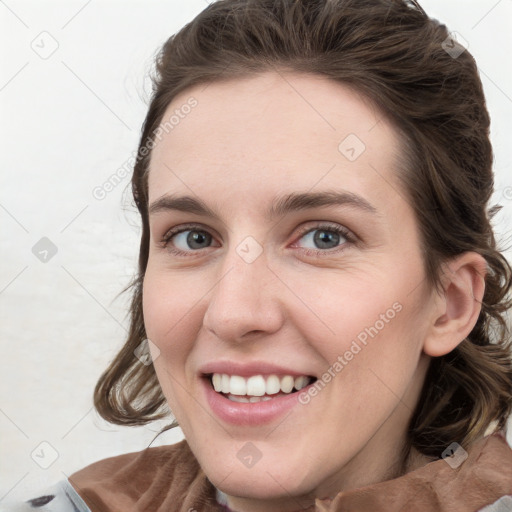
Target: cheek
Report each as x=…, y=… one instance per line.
x=342, y=308
x=171, y=324
x=168, y=311
x=366, y=328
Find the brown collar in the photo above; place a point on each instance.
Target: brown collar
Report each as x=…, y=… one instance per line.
x=169, y=478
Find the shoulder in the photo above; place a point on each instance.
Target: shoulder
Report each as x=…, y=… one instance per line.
x=479, y=476
x=156, y=478
x=61, y=497
x=149, y=460
x=459, y=480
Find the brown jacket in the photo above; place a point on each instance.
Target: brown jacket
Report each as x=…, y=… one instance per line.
x=169, y=479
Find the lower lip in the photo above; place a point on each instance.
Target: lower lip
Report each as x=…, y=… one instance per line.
x=248, y=414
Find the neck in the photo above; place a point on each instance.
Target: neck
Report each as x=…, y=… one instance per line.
x=408, y=460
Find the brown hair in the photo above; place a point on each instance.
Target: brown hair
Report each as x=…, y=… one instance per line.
x=396, y=56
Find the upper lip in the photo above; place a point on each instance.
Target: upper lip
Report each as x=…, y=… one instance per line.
x=248, y=369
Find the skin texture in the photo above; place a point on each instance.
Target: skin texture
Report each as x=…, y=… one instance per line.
x=298, y=304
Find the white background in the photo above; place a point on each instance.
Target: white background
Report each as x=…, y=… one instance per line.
x=69, y=122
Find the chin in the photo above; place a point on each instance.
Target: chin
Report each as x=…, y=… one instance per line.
x=262, y=488
x=265, y=481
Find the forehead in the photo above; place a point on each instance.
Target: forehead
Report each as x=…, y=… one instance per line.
x=273, y=132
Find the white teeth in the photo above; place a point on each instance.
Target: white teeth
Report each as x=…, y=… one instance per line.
x=287, y=383
x=301, y=382
x=235, y=398
x=225, y=383
x=217, y=382
x=273, y=385
x=238, y=385
x=257, y=387
x=252, y=399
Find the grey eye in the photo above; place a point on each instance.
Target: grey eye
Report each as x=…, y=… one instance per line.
x=322, y=238
x=192, y=239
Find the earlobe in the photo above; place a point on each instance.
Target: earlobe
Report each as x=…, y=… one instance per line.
x=457, y=308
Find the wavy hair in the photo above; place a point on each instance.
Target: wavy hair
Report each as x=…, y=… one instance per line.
x=397, y=57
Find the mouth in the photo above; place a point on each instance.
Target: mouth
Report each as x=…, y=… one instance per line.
x=257, y=388
x=253, y=393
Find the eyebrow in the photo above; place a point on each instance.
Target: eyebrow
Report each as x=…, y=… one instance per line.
x=282, y=205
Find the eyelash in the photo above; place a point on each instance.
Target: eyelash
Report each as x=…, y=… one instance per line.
x=344, y=232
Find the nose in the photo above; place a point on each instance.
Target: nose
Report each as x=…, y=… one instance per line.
x=244, y=302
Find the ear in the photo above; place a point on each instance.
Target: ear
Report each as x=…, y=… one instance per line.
x=457, y=307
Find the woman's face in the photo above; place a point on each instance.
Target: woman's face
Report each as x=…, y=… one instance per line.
x=283, y=254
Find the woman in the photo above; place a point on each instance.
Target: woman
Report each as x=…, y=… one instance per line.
x=319, y=285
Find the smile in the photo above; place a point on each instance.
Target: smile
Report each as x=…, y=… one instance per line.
x=253, y=393
x=257, y=388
